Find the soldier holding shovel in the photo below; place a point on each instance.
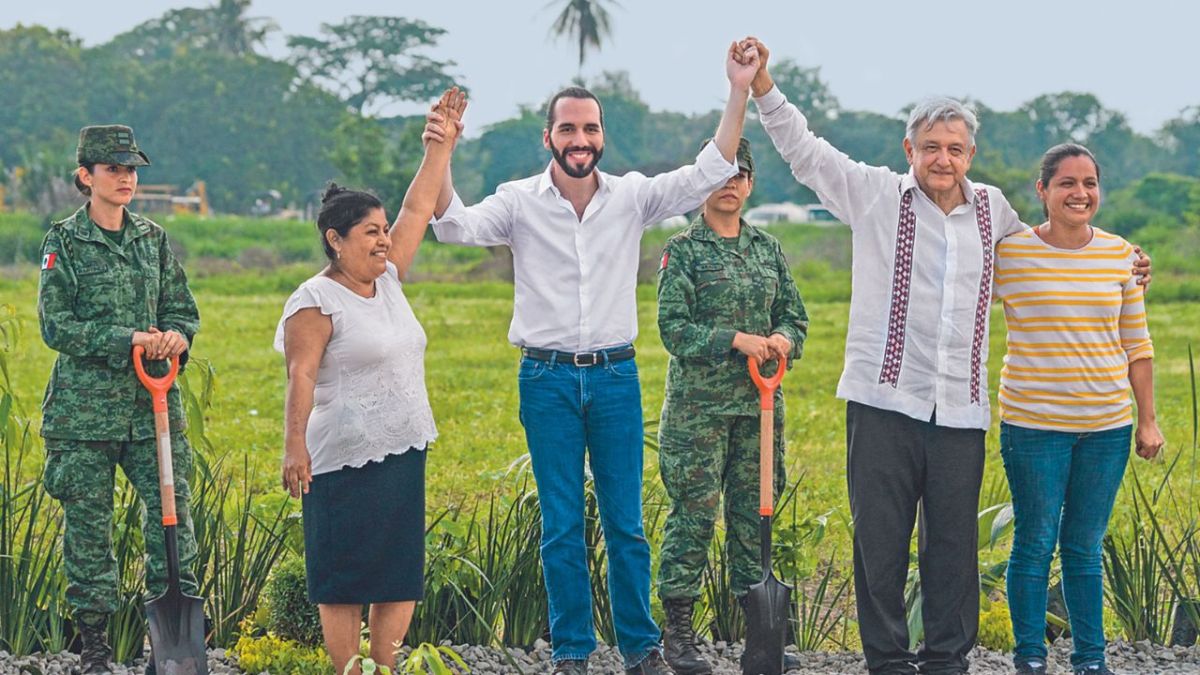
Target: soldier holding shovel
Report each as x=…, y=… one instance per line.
x=110, y=282
x=725, y=295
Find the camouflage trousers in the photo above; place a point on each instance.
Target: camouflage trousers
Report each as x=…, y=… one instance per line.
x=81, y=475
x=705, y=459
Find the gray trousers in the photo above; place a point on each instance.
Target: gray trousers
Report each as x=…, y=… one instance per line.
x=894, y=463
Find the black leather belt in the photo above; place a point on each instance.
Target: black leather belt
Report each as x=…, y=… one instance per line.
x=581, y=359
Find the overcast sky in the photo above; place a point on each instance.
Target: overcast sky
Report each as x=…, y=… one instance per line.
x=1141, y=58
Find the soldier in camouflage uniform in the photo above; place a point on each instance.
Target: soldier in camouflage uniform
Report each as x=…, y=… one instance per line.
x=725, y=293
x=109, y=281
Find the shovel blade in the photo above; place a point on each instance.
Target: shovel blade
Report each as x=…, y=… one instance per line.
x=177, y=633
x=767, y=605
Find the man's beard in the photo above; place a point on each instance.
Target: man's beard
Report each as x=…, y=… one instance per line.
x=571, y=170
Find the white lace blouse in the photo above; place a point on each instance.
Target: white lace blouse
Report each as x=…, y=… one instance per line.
x=370, y=399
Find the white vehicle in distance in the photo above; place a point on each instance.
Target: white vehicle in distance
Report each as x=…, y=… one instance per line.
x=787, y=212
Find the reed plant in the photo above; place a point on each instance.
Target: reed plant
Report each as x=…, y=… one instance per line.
x=1137, y=586
x=483, y=571
x=238, y=541
x=32, y=586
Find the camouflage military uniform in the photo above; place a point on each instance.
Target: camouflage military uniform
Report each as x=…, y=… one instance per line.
x=93, y=294
x=709, y=289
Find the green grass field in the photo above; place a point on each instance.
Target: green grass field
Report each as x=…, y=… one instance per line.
x=471, y=373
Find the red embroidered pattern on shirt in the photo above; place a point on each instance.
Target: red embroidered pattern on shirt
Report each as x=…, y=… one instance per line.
x=906, y=236
x=983, y=217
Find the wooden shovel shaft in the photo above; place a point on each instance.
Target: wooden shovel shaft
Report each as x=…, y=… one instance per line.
x=166, y=472
x=766, y=463
x=766, y=433
x=158, y=388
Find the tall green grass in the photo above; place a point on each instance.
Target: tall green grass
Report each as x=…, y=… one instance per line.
x=238, y=540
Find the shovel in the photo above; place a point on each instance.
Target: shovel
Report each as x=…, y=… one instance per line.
x=768, y=602
x=176, y=620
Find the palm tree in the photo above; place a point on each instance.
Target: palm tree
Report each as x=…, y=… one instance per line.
x=585, y=20
x=235, y=33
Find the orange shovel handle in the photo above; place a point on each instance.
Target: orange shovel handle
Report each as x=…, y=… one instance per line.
x=767, y=386
x=158, y=388
x=766, y=433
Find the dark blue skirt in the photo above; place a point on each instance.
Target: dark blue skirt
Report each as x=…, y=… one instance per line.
x=364, y=532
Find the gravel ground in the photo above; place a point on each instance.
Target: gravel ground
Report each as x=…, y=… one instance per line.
x=1123, y=658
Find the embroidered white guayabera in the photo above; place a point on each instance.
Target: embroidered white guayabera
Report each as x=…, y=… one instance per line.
x=370, y=400
x=922, y=278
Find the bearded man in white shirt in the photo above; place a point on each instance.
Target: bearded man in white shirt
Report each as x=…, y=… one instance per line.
x=574, y=232
x=915, y=375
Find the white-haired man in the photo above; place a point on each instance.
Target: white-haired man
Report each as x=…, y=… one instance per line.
x=915, y=375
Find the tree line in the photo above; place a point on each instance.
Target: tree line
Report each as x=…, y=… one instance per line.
x=209, y=104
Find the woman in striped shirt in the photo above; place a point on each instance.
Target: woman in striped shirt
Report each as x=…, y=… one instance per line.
x=1077, y=342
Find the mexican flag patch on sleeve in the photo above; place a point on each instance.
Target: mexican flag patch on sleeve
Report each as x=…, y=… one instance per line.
x=48, y=261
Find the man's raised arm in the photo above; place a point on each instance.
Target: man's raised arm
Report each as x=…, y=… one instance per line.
x=741, y=67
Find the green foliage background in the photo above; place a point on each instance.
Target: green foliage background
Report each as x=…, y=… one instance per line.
x=208, y=104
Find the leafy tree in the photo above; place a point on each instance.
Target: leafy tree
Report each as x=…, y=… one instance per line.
x=804, y=87
x=367, y=59
x=1181, y=136
x=43, y=80
x=1177, y=196
x=625, y=117
x=222, y=28
x=868, y=137
x=1016, y=183
x=585, y=21
x=1066, y=116
x=510, y=150
x=379, y=155
x=1123, y=154
x=239, y=124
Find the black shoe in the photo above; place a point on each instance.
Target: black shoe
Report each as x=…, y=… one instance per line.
x=1034, y=667
x=93, y=660
x=1094, y=669
x=571, y=667
x=792, y=662
x=679, y=639
x=653, y=664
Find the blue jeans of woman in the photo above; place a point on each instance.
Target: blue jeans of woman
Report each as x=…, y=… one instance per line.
x=567, y=410
x=1063, y=486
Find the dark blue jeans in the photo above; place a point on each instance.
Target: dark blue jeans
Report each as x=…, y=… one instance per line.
x=568, y=410
x=1063, y=487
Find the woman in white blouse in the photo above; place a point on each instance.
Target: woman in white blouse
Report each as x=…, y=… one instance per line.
x=357, y=416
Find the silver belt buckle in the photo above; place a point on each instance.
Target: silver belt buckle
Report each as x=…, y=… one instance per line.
x=586, y=355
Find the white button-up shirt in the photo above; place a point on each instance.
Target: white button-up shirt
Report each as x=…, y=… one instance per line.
x=922, y=279
x=576, y=279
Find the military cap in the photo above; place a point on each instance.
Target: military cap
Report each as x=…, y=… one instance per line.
x=745, y=160
x=107, y=144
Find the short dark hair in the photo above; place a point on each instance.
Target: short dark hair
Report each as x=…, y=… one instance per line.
x=1055, y=156
x=571, y=92
x=341, y=210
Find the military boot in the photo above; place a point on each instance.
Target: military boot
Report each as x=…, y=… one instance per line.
x=96, y=653
x=679, y=640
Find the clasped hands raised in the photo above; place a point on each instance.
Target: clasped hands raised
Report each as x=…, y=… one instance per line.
x=449, y=107
x=741, y=66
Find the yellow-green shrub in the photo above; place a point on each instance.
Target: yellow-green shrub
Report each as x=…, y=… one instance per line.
x=273, y=654
x=995, y=627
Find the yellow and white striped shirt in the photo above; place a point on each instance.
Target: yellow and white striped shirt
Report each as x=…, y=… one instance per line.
x=1076, y=320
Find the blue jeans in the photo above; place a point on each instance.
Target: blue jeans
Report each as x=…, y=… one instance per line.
x=1063, y=487
x=567, y=409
